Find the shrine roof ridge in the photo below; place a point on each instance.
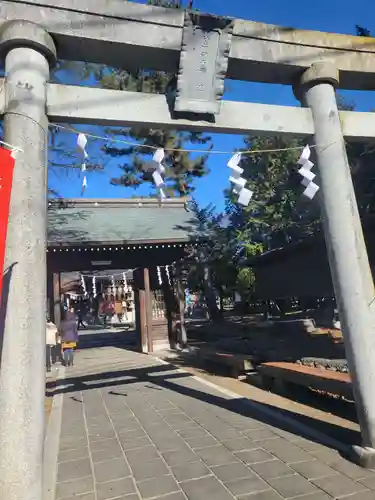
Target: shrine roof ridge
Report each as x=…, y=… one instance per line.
x=139, y=202
x=83, y=222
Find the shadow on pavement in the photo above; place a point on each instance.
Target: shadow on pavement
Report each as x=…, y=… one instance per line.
x=166, y=377
x=339, y=407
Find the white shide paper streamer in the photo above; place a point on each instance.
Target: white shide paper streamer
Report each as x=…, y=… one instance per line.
x=81, y=144
x=160, y=279
x=167, y=272
x=159, y=171
x=307, y=176
x=125, y=282
x=239, y=183
x=83, y=285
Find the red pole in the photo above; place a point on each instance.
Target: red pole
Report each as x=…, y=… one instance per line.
x=6, y=175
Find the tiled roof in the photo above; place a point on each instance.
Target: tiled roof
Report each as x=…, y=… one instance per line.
x=138, y=220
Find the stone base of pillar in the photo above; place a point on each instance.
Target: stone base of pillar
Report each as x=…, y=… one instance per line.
x=363, y=456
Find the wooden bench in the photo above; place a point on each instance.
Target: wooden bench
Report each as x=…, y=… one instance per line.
x=239, y=364
x=281, y=375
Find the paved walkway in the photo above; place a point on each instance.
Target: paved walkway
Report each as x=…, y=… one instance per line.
x=133, y=428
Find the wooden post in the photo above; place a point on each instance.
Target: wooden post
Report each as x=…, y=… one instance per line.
x=148, y=302
x=180, y=293
x=56, y=299
x=143, y=320
x=170, y=310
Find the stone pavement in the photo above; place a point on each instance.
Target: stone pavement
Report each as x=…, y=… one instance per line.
x=134, y=428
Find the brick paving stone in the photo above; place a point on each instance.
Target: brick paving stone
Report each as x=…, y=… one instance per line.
x=315, y=496
x=133, y=496
x=369, y=482
x=99, y=434
x=66, y=456
x=247, y=425
x=254, y=456
x=267, y=495
x=226, y=434
x=240, y=444
x=171, y=411
x=180, y=456
x=247, y=485
x=177, y=418
x=201, y=442
x=205, y=488
x=115, y=468
x=339, y=485
x=74, y=469
x=115, y=489
x=136, y=433
x=292, y=486
x=74, y=488
x=193, y=432
x=142, y=455
x=190, y=471
x=314, y=469
x=124, y=426
x=85, y=496
x=164, y=405
x=307, y=445
x=271, y=470
x=350, y=470
x=106, y=454
x=160, y=432
x=171, y=496
x=147, y=470
x=260, y=434
x=134, y=443
x=74, y=432
x=365, y=495
x=95, y=427
x=230, y=472
x=286, y=451
x=72, y=443
x=104, y=444
x=168, y=443
x=326, y=455
x=158, y=486
x=216, y=455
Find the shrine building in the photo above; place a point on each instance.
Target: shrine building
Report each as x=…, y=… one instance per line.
x=139, y=234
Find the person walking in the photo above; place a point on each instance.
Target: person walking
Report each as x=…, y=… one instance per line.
x=51, y=340
x=69, y=337
x=81, y=313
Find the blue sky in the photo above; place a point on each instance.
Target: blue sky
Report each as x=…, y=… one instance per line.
x=323, y=15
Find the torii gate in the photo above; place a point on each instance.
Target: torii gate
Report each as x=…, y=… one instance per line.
x=203, y=51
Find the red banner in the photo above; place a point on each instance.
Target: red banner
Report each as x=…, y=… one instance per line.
x=6, y=175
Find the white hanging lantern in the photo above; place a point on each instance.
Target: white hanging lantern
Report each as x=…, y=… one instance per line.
x=94, y=286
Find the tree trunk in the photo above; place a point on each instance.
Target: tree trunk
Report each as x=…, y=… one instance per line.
x=210, y=294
